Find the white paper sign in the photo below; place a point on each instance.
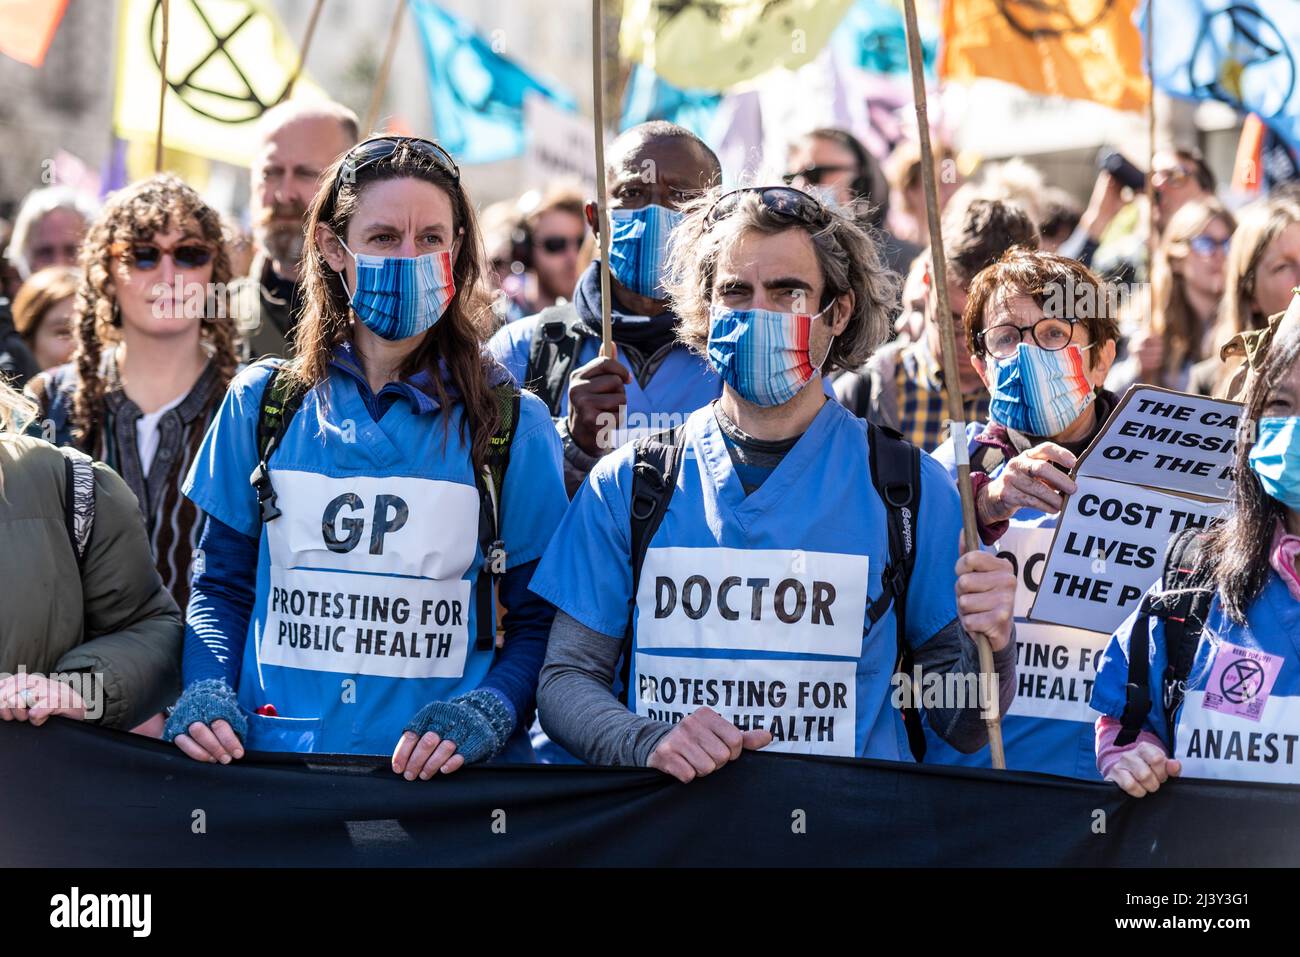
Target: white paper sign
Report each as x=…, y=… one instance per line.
x=1110, y=549
x=560, y=144
x=1163, y=463
x=1168, y=440
x=810, y=706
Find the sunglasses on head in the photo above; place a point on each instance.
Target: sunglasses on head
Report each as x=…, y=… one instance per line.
x=148, y=256
x=784, y=201
x=558, y=244
x=380, y=148
x=813, y=175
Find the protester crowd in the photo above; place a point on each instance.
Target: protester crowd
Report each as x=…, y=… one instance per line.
x=375, y=485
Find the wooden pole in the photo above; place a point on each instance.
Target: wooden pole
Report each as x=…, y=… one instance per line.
x=381, y=81
x=952, y=381
x=598, y=106
x=1152, y=238
x=302, y=51
x=162, y=87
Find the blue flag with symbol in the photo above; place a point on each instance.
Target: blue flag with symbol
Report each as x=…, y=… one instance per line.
x=478, y=94
x=1241, y=52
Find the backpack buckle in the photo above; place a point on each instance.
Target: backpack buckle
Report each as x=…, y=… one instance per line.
x=266, y=498
x=894, y=578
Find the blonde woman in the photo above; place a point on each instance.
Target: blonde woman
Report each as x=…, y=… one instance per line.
x=1188, y=283
x=1263, y=270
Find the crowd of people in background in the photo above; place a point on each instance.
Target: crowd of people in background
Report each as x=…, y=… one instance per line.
x=210, y=436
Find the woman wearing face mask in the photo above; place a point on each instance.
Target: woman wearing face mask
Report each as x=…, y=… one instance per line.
x=1219, y=692
x=346, y=600
x=763, y=611
x=1042, y=339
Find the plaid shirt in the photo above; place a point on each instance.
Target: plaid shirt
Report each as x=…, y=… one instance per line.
x=922, y=402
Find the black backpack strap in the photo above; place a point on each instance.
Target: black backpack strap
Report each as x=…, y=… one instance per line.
x=281, y=398
x=78, y=500
x=1183, y=603
x=551, y=355
x=490, y=486
x=896, y=474
x=654, y=478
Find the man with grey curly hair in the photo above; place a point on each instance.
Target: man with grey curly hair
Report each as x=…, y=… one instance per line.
x=775, y=572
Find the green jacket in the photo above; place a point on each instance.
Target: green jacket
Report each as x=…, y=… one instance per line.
x=112, y=617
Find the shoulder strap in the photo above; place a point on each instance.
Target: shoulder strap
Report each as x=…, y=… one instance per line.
x=491, y=485
x=1183, y=604
x=654, y=478
x=896, y=474
x=551, y=355
x=281, y=398
x=79, y=500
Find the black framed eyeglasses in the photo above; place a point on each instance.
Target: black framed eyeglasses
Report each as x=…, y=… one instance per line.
x=782, y=200
x=380, y=148
x=814, y=175
x=1002, y=341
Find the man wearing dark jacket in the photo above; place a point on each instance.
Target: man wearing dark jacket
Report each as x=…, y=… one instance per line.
x=298, y=142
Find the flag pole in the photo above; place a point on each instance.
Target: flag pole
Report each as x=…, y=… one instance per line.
x=381, y=81
x=598, y=101
x=162, y=88
x=302, y=51
x=952, y=381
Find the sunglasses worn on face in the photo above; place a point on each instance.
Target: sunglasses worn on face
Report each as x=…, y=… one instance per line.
x=148, y=256
x=784, y=201
x=558, y=244
x=814, y=175
x=1208, y=245
x=382, y=147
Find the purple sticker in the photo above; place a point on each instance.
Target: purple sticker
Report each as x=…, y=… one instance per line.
x=1241, y=680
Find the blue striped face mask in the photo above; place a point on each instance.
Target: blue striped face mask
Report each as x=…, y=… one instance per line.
x=638, y=247
x=397, y=297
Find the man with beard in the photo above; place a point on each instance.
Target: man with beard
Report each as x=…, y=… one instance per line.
x=297, y=142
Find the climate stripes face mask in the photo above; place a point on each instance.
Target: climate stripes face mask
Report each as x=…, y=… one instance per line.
x=638, y=247
x=761, y=354
x=397, y=297
x=1275, y=458
x=1039, y=391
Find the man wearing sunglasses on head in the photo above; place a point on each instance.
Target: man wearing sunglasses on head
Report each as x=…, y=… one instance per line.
x=651, y=171
x=1040, y=334
x=780, y=557
x=297, y=142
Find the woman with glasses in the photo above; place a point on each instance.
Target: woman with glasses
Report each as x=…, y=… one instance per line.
x=364, y=498
x=155, y=350
x=1263, y=270
x=1188, y=281
x=1042, y=337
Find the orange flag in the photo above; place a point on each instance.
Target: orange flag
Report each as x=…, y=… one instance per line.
x=1082, y=49
x=27, y=27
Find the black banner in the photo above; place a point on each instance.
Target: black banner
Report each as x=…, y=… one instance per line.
x=77, y=796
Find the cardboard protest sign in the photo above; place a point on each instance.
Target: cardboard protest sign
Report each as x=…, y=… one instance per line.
x=1163, y=463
